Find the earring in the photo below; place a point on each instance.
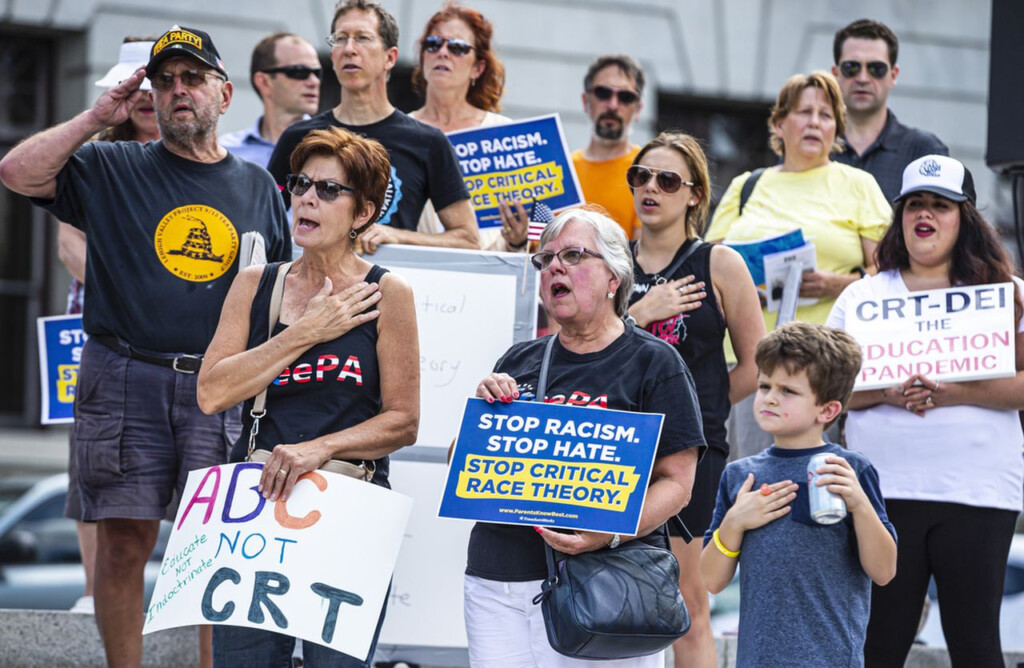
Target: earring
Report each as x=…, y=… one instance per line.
x=472, y=83
x=611, y=295
x=352, y=234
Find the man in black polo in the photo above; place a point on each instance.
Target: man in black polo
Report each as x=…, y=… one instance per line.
x=865, y=66
x=165, y=222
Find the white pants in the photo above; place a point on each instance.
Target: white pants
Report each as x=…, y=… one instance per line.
x=506, y=630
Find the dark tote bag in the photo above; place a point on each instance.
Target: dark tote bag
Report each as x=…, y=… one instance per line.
x=611, y=603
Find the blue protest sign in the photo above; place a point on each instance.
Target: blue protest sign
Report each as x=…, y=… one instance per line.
x=61, y=338
x=526, y=160
x=570, y=467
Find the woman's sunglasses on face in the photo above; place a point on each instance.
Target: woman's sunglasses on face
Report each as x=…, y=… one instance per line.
x=297, y=72
x=876, y=68
x=328, y=191
x=637, y=176
x=604, y=93
x=456, y=46
x=568, y=256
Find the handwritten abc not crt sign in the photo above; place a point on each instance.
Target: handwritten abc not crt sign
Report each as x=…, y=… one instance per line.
x=525, y=160
x=562, y=466
x=61, y=339
x=316, y=567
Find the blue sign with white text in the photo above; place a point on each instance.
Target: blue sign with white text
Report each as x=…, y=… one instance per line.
x=524, y=160
x=569, y=467
x=61, y=339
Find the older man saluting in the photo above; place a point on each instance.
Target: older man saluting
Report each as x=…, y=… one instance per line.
x=165, y=222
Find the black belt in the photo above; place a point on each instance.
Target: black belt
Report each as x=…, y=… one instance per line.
x=188, y=364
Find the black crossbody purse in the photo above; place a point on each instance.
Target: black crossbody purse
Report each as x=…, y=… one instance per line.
x=611, y=603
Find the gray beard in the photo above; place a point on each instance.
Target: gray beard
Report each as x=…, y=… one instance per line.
x=613, y=132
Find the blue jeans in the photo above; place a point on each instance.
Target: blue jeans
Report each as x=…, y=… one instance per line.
x=237, y=646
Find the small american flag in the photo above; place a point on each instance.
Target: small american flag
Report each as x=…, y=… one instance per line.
x=539, y=219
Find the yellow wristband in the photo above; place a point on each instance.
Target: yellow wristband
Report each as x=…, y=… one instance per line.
x=722, y=548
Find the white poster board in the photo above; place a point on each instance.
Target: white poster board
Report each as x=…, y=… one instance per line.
x=316, y=567
x=955, y=334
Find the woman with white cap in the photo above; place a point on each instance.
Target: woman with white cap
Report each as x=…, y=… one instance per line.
x=141, y=126
x=948, y=453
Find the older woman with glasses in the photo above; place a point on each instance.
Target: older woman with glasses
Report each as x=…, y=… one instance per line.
x=334, y=304
x=463, y=82
x=586, y=281
x=840, y=209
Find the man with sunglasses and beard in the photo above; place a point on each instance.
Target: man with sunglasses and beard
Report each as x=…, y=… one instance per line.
x=612, y=87
x=164, y=221
x=364, y=50
x=865, y=66
x=285, y=72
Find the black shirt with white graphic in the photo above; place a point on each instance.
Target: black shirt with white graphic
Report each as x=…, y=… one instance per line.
x=637, y=373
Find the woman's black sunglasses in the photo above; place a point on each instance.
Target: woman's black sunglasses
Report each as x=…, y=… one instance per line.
x=456, y=46
x=297, y=72
x=876, y=68
x=328, y=191
x=604, y=93
x=637, y=176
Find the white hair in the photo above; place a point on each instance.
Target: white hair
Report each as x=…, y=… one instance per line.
x=611, y=244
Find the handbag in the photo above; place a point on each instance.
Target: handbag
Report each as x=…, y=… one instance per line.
x=363, y=471
x=611, y=603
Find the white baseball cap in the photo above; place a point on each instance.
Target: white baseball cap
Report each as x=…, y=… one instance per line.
x=133, y=55
x=941, y=175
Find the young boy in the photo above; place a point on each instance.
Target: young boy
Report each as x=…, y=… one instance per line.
x=804, y=587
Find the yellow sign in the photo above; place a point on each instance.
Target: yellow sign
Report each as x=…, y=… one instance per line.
x=67, y=379
x=196, y=243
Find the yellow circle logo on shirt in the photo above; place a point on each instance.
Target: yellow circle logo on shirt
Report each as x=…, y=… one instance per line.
x=196, y=243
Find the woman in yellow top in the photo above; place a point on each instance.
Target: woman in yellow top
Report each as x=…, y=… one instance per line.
x=840, y=209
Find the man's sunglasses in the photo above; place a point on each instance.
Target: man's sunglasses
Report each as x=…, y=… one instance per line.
x=190, y=78
x=328, y=191
x=876, y=68
x=456, y=46
x=569, y=256
x=604, y=93
x=297, y=72
x=669, y=182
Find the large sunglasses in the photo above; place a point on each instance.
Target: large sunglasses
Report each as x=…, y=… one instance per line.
x=297, y=72
x=456, y=46
x=189, y=78
x=876, y=68
x=637, y=176
x=604, y=93
x=328, y=191
x=568, y=256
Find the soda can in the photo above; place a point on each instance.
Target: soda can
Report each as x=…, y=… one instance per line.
x=826, y=507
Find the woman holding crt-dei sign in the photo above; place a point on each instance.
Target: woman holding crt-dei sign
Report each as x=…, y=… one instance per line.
x=586, y=280
x=948, y=454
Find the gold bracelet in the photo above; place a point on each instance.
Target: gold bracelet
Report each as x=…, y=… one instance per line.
x=722, y=548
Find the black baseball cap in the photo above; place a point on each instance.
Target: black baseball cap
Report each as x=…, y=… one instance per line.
x=187, y=42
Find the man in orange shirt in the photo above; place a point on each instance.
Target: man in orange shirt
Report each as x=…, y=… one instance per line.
x=612, y=90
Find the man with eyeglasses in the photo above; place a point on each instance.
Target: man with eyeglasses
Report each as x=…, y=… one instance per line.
x=285, y=72
x=865, y=66
x=364, y=49
x=165, y=221
x=612, y=89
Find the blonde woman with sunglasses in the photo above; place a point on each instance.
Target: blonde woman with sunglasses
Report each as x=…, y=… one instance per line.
x=688, y=294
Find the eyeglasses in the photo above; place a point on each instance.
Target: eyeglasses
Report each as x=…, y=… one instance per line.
x=456, y=46
x=297, y=72
x=604, y=93
x=190, y=78
x=568, y=256
x=637, y=176
x=361, y=39
x=876, y=68
x=328, y=191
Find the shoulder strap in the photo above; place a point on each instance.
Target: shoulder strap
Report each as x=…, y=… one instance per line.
x=276, y=295
x=542, y=382
x=749, y=185
x=678, y=262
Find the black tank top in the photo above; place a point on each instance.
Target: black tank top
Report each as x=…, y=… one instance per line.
x=698, y=336
x=332, y=386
